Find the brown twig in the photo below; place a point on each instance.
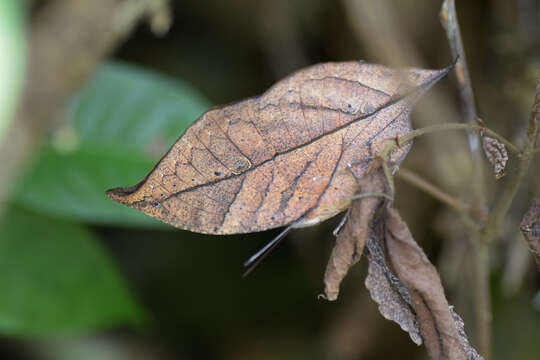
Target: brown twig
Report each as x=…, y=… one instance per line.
x=524, y=161
x=482, y=303
x=416, y=180
x=449, y=21
x=493, y=224
x=453, y=33
x=454, y=126
x=384, y=20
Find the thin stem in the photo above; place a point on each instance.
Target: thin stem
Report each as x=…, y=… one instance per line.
x=482, y=301
x=524, y=162
x=483, y=238
x=491, y=229
x=482, y=295
x=451, y=26
x=431, y=189
x=455, y=126
x=465, y=210
x=509, y=145
x=449, y=21
x=366, y=195
x=494, y=222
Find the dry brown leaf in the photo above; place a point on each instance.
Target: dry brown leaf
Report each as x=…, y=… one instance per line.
x=392, y=297
x=530, y=228
x=281, y=158
x=351, y=239
x=470, y=352
x=496, y=154
x=440, y=332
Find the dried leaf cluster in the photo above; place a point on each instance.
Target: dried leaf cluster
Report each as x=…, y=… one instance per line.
x=401, y=279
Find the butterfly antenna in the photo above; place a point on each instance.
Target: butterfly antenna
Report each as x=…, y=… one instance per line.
x=256, y=258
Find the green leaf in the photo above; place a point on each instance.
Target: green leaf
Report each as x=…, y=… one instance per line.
x=56, y=279
x=117, y=127
x=12, y=46
x=72, y=185
x=124, y=103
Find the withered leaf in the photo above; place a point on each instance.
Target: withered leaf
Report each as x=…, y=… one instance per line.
x=281, y=158
x=530, y=228
x=388, y=292
x=351, y=239
x=470, y=352
x=441, y=333
x=496, y=154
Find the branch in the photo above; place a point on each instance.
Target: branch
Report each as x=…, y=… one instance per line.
x=431, y=189
x=454, y=126
x=493, y=224
x=494, y=221
x=449, y=21
x=453, y=33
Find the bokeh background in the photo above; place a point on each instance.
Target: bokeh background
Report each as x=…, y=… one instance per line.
x=95, y=92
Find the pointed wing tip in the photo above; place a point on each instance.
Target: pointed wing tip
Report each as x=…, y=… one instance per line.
x=444, y=71
x=434, y=76
x=447, y=69
x=441, y=73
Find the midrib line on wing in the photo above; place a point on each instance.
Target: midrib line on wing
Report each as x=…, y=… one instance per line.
x=360, y=118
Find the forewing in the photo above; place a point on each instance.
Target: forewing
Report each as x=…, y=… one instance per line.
x=288, y=156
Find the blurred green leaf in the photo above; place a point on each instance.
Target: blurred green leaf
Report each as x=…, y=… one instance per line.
x=136, y=106
x=12, y=47
x=117, y=127
x=56, y=279
x=72, y=185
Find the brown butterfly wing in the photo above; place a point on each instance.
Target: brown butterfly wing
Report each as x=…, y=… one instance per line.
x=284, y=157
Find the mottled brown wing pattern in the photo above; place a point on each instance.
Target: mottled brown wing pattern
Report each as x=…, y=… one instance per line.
x=284, y=157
